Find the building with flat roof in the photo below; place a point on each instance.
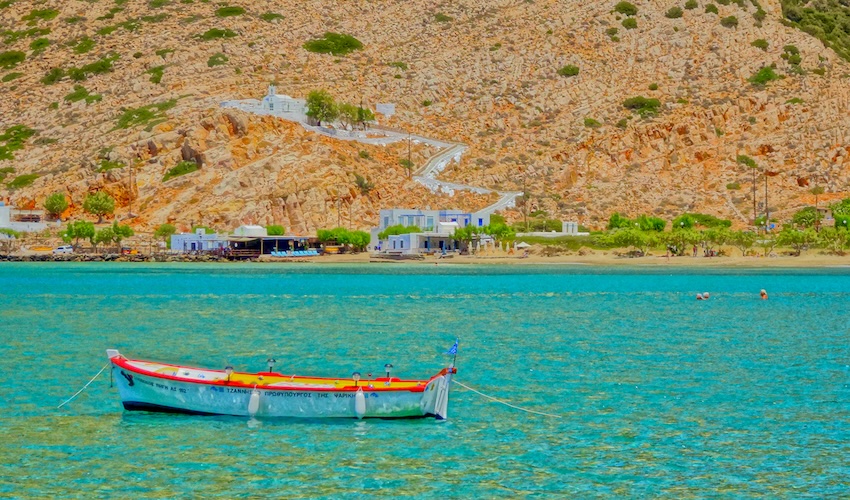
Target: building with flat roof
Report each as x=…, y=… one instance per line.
x=25, y=221
x=437, y=228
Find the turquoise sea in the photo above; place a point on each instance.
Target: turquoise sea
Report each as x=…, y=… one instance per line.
x=658, y=394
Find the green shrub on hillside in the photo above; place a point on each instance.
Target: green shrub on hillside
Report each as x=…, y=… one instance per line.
x=11, y=76
x=337, y=44
x=13, y=139
x=83, y=45
x=729, y=22
x=99, y=67
x=182, y=168
x=163, y=52
x=827, y=20
x=271, y=16
x=216, y=33
x=53, y=76
x=763, y=76
x=568, y=70
x=81, y=94
x=673, y=13
x=217, y=59
x=761, y=43
x=442, y=18
x=629, y=23
x=643, y=106
x=626, y=9
x=144, y=115
x=11, y=58
x=22, y=181
x=39, y=44
x=229, y=11
x=156, y=73
x=40, y=15
x=691, y=4
x=592, y=123
x=711, y=9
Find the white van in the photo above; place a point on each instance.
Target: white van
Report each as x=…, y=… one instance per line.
x=63, y=249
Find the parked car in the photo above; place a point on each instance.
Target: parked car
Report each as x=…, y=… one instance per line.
x=63, y=250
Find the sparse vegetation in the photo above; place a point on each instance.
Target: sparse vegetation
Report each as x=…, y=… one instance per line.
x=40, y=15
x=13, y=139
x=22, y=181
x=760, y=43
x=39, y=44
x=107, y=165
x=182, y=168
x=592, y=123
x=271, y=16
x=217, y=59
x=53, y=76
x=229, y=11
x=11, y=58
x=163, y=52
x=711, y=9
x=826, y=20
x=216, y=33
x=81, y=94
x=653, y=86
x=156, y=73
x=99, y=67
x=729, y=22
x=764, y=76
x=733, y=186
x=11, y=76
x=673, y=13
x=338, y=44
x=643, y=106
x=691, y=4
x=144, y=115
x=364, y=184
x=83, y=45
x=629, y=23
x=442, y=18
x=626, y=9
x=398, y=64
x=568, y=70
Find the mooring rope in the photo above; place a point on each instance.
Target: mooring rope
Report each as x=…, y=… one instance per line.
x=505, y=403
x=84, y=387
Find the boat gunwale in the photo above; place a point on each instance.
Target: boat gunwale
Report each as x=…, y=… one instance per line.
x=125, y=363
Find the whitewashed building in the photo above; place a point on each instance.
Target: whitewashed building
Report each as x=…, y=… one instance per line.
x=25, y=221
x=437, y=227
x=199, y=241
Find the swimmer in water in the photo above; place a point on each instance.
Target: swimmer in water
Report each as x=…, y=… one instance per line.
x=763, y=294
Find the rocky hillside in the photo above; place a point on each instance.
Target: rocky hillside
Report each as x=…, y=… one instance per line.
x=119, y=92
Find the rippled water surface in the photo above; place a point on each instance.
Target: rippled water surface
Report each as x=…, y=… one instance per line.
x=659, y=395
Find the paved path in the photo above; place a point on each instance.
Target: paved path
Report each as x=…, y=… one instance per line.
x=425, y=175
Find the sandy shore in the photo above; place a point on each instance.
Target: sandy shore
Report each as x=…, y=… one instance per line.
x=812, y=260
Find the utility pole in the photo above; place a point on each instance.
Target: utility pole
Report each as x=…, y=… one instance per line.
x=766, y=206
x=409, y=164
x=338, y=206
x=755, y=214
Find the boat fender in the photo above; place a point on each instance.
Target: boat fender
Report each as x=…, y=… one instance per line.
x=360, y=403
x=254, y=402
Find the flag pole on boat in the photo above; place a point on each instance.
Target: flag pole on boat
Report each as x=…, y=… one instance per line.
x=453, y=352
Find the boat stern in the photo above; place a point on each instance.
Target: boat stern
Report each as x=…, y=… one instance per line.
x=435, y=398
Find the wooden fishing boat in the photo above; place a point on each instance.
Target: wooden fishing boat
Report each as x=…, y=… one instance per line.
x=162, y=387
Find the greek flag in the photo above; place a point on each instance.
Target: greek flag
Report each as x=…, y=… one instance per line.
x=453, y=349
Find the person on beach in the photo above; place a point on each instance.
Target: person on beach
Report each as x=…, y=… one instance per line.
x=763, y=294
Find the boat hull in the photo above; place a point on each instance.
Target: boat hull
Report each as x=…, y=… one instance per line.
x=153, y=393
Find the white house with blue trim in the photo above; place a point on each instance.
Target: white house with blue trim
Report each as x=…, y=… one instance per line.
x=437, y=227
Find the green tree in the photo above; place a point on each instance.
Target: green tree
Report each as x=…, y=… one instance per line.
x=499, y=231
x=742, y=240
x=680, y=239
x=359, y=240
x=798, y=239
x=632, y=237
x=120, y=232
x=467, y=234
x=835, y=239
x=55, y=204
x=617, y=221
x=805, y=217
x=275, y=230
x=716, y=236
x=626, y=8
x=684, y=221
x=321, y=106
x=398, y=229
x=650, y=223
x=164, y=232
x=104, y=236
x=767, y=243
x=99, y=204
x=841, y=213
x=76, y=231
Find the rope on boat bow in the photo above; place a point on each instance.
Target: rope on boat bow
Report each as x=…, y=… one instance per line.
x=491, y=398
x=84, y=387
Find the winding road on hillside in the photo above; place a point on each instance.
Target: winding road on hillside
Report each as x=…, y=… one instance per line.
x=425, y=175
